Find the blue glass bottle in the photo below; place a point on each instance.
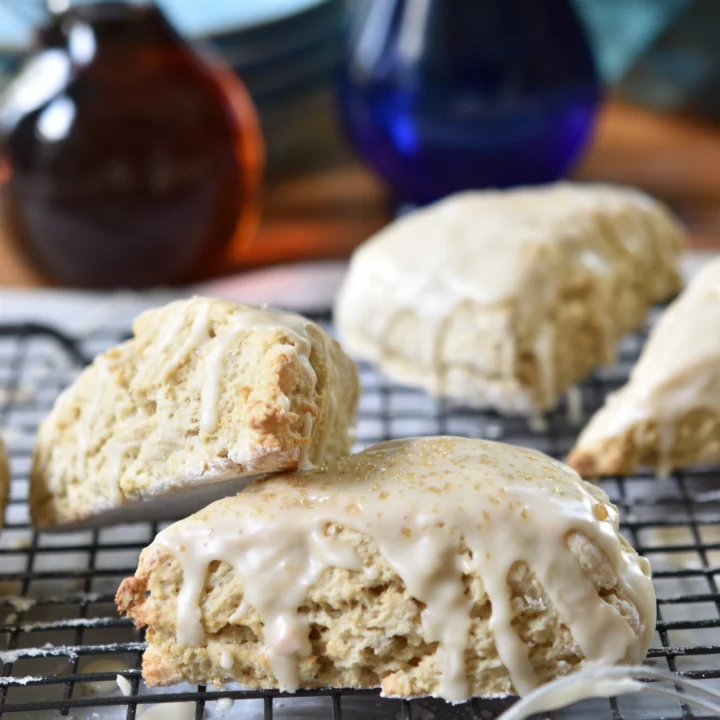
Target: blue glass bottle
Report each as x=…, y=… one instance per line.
x=443, y=95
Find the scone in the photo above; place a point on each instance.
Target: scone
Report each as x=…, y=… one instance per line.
x=206, y=395
x=4, y=482
x=668, y=414
x=438, y=566
x=505, y=299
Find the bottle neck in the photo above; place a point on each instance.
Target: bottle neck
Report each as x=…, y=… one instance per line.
x=108, y=22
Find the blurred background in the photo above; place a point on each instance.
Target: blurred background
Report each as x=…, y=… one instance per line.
x=145, y=144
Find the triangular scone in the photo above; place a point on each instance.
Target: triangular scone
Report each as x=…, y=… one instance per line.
x=206, y=391
x=4, y=482
x=668, y=414
x=505, y=299
x=436, y=566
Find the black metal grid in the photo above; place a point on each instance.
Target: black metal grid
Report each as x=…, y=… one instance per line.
x=58, y=619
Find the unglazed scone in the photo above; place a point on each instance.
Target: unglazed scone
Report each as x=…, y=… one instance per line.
x=504, y=299
x=206, y=391
x=668, y=414
x=438, y=566
x=4, y=482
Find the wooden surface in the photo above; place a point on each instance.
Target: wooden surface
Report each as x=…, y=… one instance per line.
x=329, y=203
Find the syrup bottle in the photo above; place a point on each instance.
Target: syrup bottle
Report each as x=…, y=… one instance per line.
x=126, y=158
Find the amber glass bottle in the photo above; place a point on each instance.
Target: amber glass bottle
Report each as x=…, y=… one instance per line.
x=126, y=158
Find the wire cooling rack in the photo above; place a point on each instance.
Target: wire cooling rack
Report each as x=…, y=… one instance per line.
x=63, y=644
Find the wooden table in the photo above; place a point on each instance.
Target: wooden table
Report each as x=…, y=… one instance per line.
x=329, y=203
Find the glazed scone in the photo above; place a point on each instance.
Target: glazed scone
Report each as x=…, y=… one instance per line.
x=4, y=482
x=505, y=299
x=668, y=414
x=438, y=566
x=206, y=391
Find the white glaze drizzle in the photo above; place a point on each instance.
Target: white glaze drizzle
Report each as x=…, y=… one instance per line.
x=665, y=441
x=250, y=319
x=124, y=684
x=677, y=371
x=537, y=422
x=305, y=463
x=199, y=334
x=115, y=454
x=170, y=327
x=174, y=710
x=226, y=661
x=574, y=402
x=544, y=351
x=509, y=504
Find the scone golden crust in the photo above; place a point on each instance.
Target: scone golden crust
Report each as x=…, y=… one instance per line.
x=438, y=566
x=504, y=299
x=4, y=482
x=668, y=414
x=205, y=391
